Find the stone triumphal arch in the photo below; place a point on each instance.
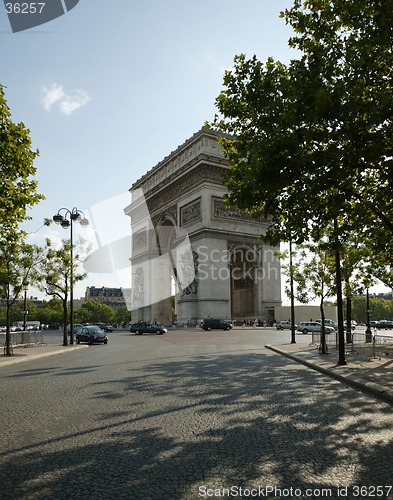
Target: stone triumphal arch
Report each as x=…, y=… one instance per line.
x=187, y=244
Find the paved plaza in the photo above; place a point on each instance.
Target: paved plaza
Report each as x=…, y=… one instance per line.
x=189, y=415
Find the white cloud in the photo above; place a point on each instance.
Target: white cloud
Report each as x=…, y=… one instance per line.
x=52, y=94
x=65, y=101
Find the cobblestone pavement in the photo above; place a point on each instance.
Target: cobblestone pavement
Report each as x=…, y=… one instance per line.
x=188, y=415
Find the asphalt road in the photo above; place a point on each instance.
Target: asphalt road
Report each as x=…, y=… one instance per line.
x=188, y=415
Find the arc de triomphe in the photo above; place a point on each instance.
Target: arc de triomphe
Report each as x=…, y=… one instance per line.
x=187, y=244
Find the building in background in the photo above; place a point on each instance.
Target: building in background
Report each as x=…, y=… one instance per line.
x=113, y=297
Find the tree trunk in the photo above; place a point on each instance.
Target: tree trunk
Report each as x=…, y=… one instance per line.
x=349, y=320
x=323, y=347
x=341, y=343
x=65, y=339
x=8, y=345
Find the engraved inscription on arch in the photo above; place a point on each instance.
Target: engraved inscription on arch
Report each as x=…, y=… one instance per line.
x=140, y=239
x=220, y=210
x=191, y=213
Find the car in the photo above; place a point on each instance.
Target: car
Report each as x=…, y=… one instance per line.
x=143, y=327
x=328, y=322
x=353, y=324
x=92, y=335
x=284, y=325
x=104, y=327
x=385, y=324
x=77, y=328
x=216, y=324
x=313, y=326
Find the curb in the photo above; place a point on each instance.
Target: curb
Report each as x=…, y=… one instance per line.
x=355, y=381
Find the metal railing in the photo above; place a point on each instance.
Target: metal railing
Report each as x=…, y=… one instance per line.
x=378, y=347
x=31, y=338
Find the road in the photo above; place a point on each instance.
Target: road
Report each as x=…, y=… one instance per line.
x=188, y=415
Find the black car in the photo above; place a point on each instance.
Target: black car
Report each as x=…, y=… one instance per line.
x=217, y=324
x=104, y=327
x=140, y=328
x=92, y=335
x=384, y=324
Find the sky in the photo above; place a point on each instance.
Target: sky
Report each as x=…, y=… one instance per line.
x=112, y=87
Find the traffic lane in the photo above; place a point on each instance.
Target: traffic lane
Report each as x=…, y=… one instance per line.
x=160, y=422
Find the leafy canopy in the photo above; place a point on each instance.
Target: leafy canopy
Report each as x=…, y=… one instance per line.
x=18, y=187
x=311, y=141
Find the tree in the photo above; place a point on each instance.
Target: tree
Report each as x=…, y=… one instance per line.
x=92, y=311
x=54, y=273
x=18, y=192
x=122, y=315
x=310, y=143
x=17, y=263
x=18, y=187
x=17, y=313
x=52, y=312
x=314, y=275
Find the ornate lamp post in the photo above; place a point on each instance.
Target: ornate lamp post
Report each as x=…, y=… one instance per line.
x=65, y=221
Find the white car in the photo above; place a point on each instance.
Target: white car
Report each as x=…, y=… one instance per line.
x=313, y=326
x=284, y=325
x=328, y=322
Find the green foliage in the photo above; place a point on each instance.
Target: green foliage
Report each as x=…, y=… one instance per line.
x=53, y=274
x=18, y=188
x=92, y=311
x=52, y=312
x=122, y=315
x=18, y=192
x=314, y=272
x=17, y=312
x=311, y=141
x=380, y=308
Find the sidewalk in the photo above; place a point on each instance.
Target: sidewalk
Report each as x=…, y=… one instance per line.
x=374, y=376
x=22, y=354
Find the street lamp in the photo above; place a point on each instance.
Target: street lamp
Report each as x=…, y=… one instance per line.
x=74, y=215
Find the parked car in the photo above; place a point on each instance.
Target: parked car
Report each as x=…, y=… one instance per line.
x=353, y=324
x=284, y=325
x=385, y=324
x=77, y=328
x=216, y=324
x=328, y=322
x=142, y=327
x=91, y=334
x=104, y=327
x=313, y=326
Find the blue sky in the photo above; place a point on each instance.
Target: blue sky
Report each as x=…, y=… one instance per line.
x=113, y=86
